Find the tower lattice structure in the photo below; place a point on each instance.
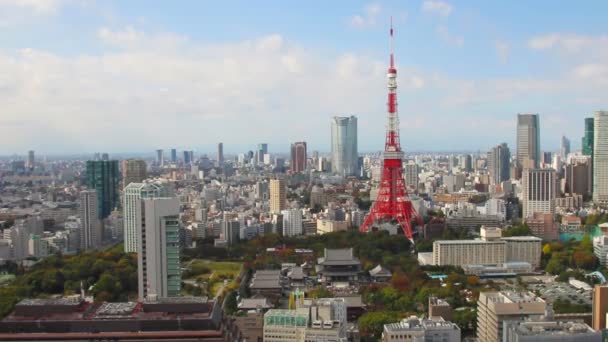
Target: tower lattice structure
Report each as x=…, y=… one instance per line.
x=393, y=202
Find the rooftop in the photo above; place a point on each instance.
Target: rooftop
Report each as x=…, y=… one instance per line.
x=415, y=323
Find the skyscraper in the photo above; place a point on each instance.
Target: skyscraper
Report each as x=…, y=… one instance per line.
x=344, y=145
x=91, y=229
x=528, y=141
x=133, y=214
x=539, y=190
x=173, y=155
x=160, y=157
x=579, y=175
x=261, y=151
x=292, y=222
x=298, y=157
x=278, y=190
x=30, y=160
x=158, y=256
x=587, y=142
x=103, y=176
x=411, y=175
x=133, y=171
x=220, y=154
x=499, y=159
x=600, y=157
x=187, y=157
x=564, y=148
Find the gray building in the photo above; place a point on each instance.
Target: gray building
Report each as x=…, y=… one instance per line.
x=413, y=329
x=90, y=229
x=344, y=153
x=499, y=163
x=528, y=141
x=600, y=157
x=549, y=331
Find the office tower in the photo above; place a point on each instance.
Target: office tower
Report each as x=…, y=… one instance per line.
x=278, y=190
x=19, y=236
x=528, y=141
x=37, y=246
x=261, y=151
x=564, y=148
x=468, y=163
x=103, y=176
x=298, y=157
x=105, y=156
x=344, y=145
x=186, y=157
x=220, y=154
x=160, y=157
x=494, y=308
x=133, y=215
x=600, y=307
x=539, y=191
x=230, y=230
x=90, y=224
x=30, y=160
x=547, y=159
x=158, y=256
x=411, y=175
x=600, y=157
x=587, y=143
x=292, y=222
x=173, y=155
x=134, y=171
x=579, y=175
x=499, y=164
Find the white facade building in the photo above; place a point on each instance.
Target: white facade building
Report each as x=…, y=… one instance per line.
x=600, y=157
x=133, y=194
x=292, y=222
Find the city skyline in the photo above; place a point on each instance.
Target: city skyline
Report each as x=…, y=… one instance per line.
x=135, y=71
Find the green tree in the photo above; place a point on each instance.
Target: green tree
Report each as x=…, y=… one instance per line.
x=371, y=324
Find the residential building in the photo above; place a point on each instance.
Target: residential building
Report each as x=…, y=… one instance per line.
x=539, y=191
x=526, y=249
x=528, y=141
x=344, y=154
x=440, y=308
x=466, y=252
x=325, y=226
x=543, y=225
x=413, y=329
x=292, y=222
x=600, y=157
x=411, y=175
x=37, y=246
x=278, y=190
x=499, y=164
x=579, y=176
x=158, y=253
x=91, y=231
x=494, y=308
x=134, y=171
x=133, y=216
x=103, y=176
x=600, y=307
x=298, y=157
x=600, y=249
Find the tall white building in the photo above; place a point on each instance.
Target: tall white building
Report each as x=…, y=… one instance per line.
x=600, y=157
x=90, y=228
x=564, y=149
x=344, y=153
x=132, y=196
x=539, y=191
x=158, y=257
x=292, y=222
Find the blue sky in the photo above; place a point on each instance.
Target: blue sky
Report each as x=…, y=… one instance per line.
x=128, y=76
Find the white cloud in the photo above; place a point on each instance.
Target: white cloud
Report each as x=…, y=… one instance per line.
x=38, y=6
x=368, y=19
x=567, y=42
x=448, y=37
x=502, y=50
x=441, y=8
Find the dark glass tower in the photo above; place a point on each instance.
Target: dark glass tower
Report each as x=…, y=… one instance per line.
x=103, y=176
x=588, y=138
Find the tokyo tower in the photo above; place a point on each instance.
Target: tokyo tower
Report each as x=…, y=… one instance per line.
x=393, y=203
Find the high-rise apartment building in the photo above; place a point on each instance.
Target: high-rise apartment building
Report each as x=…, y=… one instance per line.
x=160, y=157
x=564, y=149
x=600, y=157
x=220, y=154
x=278, y=192
x=499, y=159
x=411, y=175
x=344, y=154
x=103, y=176
x=579, y=175
x=587, y=143
x=158, y=256
x=494, y=308
x=298, y=157
x=134, y=171
x=600, y=307
x=31, y=160
x=133, y=227
x=90, y=224
x=173, y=155
x=528, y=141
x=539, y=191
x=292, y=222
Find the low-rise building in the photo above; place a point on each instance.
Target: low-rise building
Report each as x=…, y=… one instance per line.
x=600, y=248
x=544, y=330
x=412, y=329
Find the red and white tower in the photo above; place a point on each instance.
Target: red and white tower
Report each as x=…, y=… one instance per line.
x=393, y=202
